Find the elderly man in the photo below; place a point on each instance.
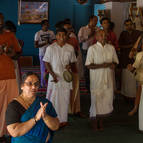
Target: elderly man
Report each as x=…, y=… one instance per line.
x=101, y=60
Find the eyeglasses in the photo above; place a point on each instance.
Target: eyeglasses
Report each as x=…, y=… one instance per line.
x=36, y=84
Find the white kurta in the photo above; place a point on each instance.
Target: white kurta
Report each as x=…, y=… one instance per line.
x=138, y=64
x=58, y=93
x=129, y=80
x=141, y=111
x=101, y=80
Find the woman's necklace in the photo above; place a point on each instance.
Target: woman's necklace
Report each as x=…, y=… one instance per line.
x=27, y=102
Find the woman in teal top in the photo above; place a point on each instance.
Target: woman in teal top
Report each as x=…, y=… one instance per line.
x=31, y=119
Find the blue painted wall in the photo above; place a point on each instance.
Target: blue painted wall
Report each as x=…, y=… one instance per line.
x=58, y=10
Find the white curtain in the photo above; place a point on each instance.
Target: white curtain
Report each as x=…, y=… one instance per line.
x=139, y=3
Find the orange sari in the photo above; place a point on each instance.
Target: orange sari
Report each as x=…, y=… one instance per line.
x=74, y=106
x=8, y=91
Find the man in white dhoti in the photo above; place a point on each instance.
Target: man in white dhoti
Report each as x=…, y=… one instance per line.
x=59, y=57
x=101, y=60
x=127, y=39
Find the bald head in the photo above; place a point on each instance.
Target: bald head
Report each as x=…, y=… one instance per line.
x=100, y=36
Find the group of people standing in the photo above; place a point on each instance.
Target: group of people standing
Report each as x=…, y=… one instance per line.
x=59, y=54
x=9, y=47
x=93, y=51
x=26, y=117
x=100, y=50
x=99, y=47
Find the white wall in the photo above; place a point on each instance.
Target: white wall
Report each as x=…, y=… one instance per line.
x=119, y=13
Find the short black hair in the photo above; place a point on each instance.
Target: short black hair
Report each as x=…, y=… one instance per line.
x=44, y=21
x=104, y=18
x=67, y=21
x=128, y=20
x=61, y=29
x=9, y=25
x=91, y=17
x=27, y=74
x=59, y=24
x=112, y=25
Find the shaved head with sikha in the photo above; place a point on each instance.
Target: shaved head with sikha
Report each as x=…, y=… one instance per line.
x=100, y=36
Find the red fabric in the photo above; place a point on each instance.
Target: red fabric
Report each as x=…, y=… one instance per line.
x=73, y=41
x=6, y=64
x=111, y=37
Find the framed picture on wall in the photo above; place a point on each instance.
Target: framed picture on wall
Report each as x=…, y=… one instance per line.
x=32, y=11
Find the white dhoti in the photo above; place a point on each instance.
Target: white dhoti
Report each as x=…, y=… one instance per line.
x=128, y=87
x=101, y=103
x=141, y=112
x=59, y=95
x=101, y=79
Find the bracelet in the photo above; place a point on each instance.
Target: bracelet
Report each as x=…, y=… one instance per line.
x=35, y=120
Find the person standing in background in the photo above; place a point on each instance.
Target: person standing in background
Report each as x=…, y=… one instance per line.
x=9, y=46
x=9, y=26
x=42, y=40
x=127, y=40
x=86, y=37
x=110, y=35
x=74, y=107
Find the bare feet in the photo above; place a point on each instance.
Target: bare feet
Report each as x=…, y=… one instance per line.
x=81, y=115
x=101, y=127
x=95, y=128
x=132, y=112
x=63, y=124
x=94, y=125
